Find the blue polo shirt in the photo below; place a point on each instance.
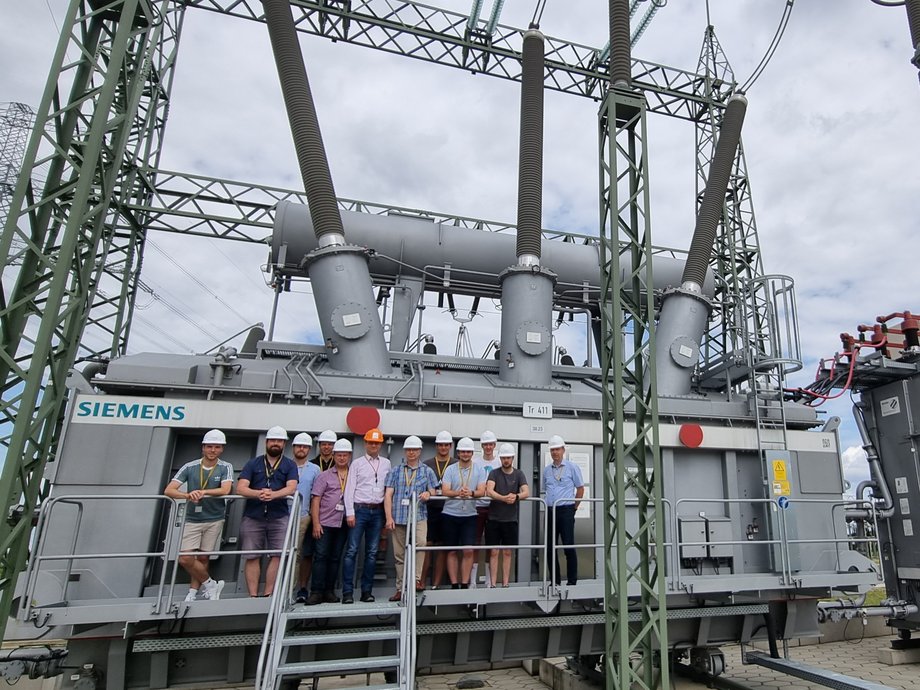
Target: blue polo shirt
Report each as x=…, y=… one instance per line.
x=308, y=473
x=559, y=483
x=262, y=473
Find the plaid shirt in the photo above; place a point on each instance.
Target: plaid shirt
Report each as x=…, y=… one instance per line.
x=399, y=479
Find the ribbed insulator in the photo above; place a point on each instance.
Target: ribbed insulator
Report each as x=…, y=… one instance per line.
x=301, y=111
x=913, y=19
x=707, y=221
x=620, y=49
x=530, y=162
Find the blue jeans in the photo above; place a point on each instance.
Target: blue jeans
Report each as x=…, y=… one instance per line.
x=326, y=555
x=368, y=524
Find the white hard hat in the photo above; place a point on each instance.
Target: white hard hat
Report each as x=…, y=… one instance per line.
x=328, y=436
x=556, y=442
x=443, y=437
x=488, y=437
x=214, y=436
x=412, y=442
x=302, y=440
x=465, y=443
x=343, y=445
x=506, y=450
x=276, y=433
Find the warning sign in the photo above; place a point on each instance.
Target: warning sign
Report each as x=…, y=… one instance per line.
x=779, y=470
x=781, y=488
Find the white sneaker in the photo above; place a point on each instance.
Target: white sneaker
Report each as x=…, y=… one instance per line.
x=213, y=592
x=191, y=596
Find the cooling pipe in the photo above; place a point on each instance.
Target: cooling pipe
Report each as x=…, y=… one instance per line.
x=620, y=47
x=339, y=274
x=526, y=357
x=879, y=483
x=685, y=310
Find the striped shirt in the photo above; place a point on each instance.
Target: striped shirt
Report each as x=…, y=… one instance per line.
x=195, y=477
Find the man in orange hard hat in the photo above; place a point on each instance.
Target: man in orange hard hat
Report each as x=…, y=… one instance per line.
x=364, y=514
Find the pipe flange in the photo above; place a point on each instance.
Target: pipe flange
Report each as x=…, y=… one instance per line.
x=533, y=338
x=685, y=351
x=351, y=320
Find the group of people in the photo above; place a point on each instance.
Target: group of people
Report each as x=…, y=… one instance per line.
x=459, y=500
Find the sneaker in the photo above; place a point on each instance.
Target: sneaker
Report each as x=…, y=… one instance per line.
x=395, y=597
x=330, y=598
x=314, y=599
x=348, y=598
x=419, y=586
x=301, y=597
x=192, y=595
x=367, y=597
x=213, y=592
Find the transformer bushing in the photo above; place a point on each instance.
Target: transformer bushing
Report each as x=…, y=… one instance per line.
x=347, y=311
x=526, y=337
x=682, y=322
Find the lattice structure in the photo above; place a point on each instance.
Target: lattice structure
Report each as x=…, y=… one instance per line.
x=633, y=547
x=16, y=120
x=91, y=139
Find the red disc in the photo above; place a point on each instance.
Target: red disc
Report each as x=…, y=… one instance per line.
x=691, y=435
x=362, y=419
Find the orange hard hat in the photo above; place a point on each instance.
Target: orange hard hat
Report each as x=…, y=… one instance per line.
x=374, y=435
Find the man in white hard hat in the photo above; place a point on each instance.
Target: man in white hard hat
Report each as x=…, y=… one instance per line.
x=307, y=473
x=364, y=514
x=409, y=478
x=488, y=460
x=437, y=560
x=562, y=488
x=326, y=441
x=506, y=487
x=266, y=481
x=463, y=482
x=205, y=480
x=330, y=529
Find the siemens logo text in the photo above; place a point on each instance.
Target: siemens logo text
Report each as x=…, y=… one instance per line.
x=174, y=413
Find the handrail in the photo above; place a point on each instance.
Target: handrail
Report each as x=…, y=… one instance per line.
x=270, y=650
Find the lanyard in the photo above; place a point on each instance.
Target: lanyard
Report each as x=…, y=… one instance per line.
x=559, y=475
x=469, y=474
x=202, y=480
x=325, y=465
x=373, y=467
x=409, y=480
x=271, y=469
x=439, y=469
x=342, y=480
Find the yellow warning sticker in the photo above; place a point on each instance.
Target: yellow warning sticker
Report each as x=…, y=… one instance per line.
x=781, y=488
x=779, y=470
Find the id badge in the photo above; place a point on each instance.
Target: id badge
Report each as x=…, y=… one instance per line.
x=340, y=506
x=437, y=491
x=404, y=502
x=197, y=509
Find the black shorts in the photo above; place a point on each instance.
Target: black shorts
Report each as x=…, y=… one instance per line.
x=459, y=531
x=501, y=533
x=435, y=528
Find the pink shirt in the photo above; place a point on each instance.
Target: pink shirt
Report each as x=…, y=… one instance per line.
x=366, y=482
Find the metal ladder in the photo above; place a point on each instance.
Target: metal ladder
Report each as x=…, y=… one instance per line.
x=389, y=628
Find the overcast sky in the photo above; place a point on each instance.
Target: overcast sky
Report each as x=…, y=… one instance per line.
x=830, y=153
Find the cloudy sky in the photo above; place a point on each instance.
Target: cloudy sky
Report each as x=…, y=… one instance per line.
x=831, y=158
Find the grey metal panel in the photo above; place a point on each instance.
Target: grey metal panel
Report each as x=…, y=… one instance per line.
x=113, y=456
x=819, y=473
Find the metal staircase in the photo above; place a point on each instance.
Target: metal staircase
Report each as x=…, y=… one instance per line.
x=291, y=652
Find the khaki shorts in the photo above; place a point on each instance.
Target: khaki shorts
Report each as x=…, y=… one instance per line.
x=201, y=536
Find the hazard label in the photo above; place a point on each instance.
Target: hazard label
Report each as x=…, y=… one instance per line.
x=779, y=470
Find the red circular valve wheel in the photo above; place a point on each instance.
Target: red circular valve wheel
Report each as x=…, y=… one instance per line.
x=691, y=435
x=362, y=419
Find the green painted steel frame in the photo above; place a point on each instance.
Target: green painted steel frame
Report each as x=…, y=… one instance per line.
x=111, y=60
x=634, y=546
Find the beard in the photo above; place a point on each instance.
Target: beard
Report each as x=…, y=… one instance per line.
x=274, y=451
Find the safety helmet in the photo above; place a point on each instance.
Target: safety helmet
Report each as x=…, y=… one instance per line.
x=343, y=445
x=328, y=436
x=276, y=433
x=412, y=442
x=214, y=436
x=302, y=440
x=556, y=442
x=374, y=436
x=443, y=437
x=465, y=443
x=506, y=451
x=488, y=437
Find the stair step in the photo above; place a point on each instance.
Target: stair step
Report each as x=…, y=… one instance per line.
x=386, y=686
x=349, y=635
x=338, y=665
x=377, y=608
